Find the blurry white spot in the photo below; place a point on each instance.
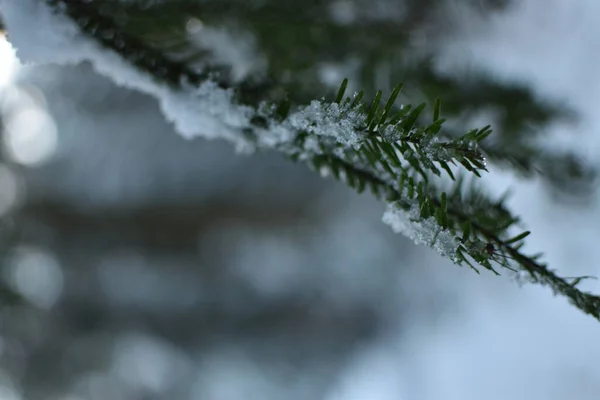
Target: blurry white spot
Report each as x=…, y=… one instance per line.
x=237, y=49
x=8, y=63
x=146, y=362
x=343, y=12
x=194, y=25
x=36, y=275
x=30, y=136
x=332, y=74
x=9, y=190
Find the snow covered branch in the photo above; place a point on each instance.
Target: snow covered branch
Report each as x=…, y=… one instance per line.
x=415, y=167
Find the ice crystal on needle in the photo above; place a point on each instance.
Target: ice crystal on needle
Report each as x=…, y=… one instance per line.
x=422, y=231
x=330, y=119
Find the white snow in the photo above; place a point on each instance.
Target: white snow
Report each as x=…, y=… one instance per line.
x=334, y=120
x=9, y=63
x=207, y=111
x=422, y=231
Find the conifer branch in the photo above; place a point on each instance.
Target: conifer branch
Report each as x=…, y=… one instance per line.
x=371, y=145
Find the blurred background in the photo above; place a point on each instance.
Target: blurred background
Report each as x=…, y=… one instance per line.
x=137, y=264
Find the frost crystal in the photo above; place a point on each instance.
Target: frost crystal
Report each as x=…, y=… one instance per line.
x=436, y=151
x=421, y=231
x=332, y=120
x=391, y=133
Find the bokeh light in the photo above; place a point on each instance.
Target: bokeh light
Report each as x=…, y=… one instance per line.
x=36, y=275
x=31, y=136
